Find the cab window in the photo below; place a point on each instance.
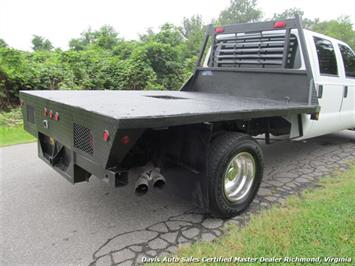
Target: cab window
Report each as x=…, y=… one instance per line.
x=348, y=60
x=326, y=57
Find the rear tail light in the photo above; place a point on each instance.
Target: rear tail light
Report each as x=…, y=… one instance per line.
x=56, y=116
x=125, y=140
x=106, y=135
x=45, y=111
x=51, y=114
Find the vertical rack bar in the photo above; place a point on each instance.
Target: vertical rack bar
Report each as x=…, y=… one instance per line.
x=203, y=46
x=286, y=48
x=305, y=56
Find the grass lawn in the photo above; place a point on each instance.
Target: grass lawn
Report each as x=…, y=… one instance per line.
x=11, y=128
x=320, y=223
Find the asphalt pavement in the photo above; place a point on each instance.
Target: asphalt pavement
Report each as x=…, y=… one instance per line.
x=46, y=220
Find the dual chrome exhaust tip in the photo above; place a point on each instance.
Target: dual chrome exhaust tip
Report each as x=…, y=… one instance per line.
x=147, y=180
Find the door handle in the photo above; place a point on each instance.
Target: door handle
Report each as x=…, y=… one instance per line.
x=320, y=91
x=345, y=91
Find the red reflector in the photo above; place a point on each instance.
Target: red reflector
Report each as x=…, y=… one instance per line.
x=219, y=30
x=50, y=114
x=45, y=111
x=56, y=116
x=279, y=24
x=125, y=140
x=106, y=135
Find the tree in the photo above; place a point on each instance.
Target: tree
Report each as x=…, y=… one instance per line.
x=3, y=44
x=106, y=37
x=168, y=34
x=124, y=49
x=15, y=74
x=341, y=29
x=41, y=44
x=166, y=61
x=191, y=26
x=89, y=68
x=291, y=13
x=240, y=11
x=86, y=38
x=149, y=35
x=288, y=13
x=193, y=30
x=133, y=74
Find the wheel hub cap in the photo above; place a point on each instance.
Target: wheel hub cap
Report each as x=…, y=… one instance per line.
x=239, y=176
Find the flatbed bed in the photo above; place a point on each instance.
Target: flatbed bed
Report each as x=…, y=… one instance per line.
x=149, y=109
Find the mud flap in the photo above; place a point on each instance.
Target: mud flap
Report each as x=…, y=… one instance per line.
x=201, y=145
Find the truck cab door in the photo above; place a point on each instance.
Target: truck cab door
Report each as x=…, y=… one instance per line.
x=347, y=67
x=329, y=85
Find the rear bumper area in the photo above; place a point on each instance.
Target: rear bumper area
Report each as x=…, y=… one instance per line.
x=78, y=143
x=73, y=166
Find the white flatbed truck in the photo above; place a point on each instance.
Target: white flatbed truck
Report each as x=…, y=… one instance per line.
x=271, y=78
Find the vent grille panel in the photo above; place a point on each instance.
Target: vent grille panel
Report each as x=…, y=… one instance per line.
x=83, y=139
x=254, y=50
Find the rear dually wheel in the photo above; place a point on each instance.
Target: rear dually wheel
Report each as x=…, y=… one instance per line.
x=235, y=170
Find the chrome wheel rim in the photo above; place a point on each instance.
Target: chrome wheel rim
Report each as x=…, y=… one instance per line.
x=239, y=177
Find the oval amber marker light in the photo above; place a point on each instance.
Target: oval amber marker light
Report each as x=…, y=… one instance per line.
x=45, y=111
x=56, y=116
x=125, y=140
x=50, y=114
x=106, y=135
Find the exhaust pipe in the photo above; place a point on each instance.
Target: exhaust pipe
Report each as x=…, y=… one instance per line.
x=142, y=185
x=150, y=177
x=157, y=179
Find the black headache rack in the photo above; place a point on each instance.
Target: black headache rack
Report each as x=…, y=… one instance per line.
x=257, y=60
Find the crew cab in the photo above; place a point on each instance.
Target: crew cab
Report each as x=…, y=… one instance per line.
x=268, y=78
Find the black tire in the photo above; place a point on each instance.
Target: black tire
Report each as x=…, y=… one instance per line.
x=223, y=148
